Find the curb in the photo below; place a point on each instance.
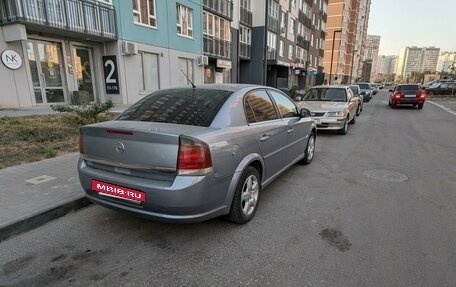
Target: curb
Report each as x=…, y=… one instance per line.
x=42, y=218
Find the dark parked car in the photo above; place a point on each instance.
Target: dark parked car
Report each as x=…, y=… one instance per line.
x=357, y=94
x=407, y=94
x=442, y=88
x=366, y=91
x=190, y=154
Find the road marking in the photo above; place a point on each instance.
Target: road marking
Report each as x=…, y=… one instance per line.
x=40, y=179
x=443, y=108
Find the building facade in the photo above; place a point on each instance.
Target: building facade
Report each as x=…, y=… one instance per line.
x=386, y=68
x=83, y=51
x=58, y=47
x=414, y=60
x=346, y=36
x=372, y=47
x=446, y=63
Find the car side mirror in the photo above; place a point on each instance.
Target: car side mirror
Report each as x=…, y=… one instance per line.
x=390, y=91
x=298, y=98
x=305, y=113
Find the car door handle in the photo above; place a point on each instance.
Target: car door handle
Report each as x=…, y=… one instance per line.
x=290, y=130
x=265, y=138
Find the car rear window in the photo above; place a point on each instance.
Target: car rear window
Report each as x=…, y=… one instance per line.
x=195, y=107
x=408, y=88
x=364, y=86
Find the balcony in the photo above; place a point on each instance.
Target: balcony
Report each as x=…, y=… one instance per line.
x=323, y=35
x=321, y=52
x=80, y=16
x=246, y=17
x=303, y=43
x=223, y=8
x=304, y=19
x=245, y=51
x=324, y=16
x=273, y=25
x=216, y=47
x=271, y=54
x=309, y=2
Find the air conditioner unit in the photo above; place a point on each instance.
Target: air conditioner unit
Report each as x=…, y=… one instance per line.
x=129, y=48
x=282, y=30
x=202, y=60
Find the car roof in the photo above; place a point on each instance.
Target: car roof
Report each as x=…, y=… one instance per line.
x=224, y=87
x=330, y=86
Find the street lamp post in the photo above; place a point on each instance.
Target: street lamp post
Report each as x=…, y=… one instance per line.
x=332, y=53
x=351, y=70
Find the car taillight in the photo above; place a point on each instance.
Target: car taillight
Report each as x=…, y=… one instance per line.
x=422, y=94
x=194, y=157
x=81, y=143
x=398, y=94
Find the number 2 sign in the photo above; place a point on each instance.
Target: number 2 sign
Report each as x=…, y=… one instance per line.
x=111, y=75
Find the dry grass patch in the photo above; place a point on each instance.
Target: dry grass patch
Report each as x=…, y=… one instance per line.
x=33, y=138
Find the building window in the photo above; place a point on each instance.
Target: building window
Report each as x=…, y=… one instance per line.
x=186, y=67
x=291, y=28
x=245, y=35
x=281, y=48
x=290, y=52
x=216, y=26
x=144, y=12
x=184, y=19
x=273, y=9
x=272, y=40
x=245, y=4
x=283, y=22
x=149, y=72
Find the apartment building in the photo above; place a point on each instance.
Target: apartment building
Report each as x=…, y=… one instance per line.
x=372, y=48
x=346, y=36
x=430, y=59
x=446, y=62
x=217, y=42
x=159, y=46
x=79, y=51
x=52, y=49
x=290, y=38
x=386, y=68
x=416, y=60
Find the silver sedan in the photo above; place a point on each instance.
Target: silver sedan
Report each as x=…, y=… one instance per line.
x=332, y=107
x=190, y=154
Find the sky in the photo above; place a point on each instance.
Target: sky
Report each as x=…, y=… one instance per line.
x=421, y=23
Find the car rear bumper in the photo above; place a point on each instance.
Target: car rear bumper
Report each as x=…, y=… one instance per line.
x=408, y=101
x=185, y=200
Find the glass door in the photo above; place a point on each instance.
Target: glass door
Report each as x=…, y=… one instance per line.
x=83, y=71
x=47, y=70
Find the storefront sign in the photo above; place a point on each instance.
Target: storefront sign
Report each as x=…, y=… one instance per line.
x=281, y=63
x=111, y=75
x=11, y=59
x=223, y=64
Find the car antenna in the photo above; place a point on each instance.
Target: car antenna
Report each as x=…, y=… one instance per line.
x=193, y=85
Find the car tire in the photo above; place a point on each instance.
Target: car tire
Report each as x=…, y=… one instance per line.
x=344, y=130
x=310, y=150
x=389, y=103
x=247, y=192
x=420, y=106
x=393, y=106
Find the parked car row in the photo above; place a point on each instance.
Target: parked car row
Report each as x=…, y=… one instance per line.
x=191, y=154
x=335, y=107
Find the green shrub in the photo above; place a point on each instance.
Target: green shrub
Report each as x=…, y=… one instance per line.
x=85, y=114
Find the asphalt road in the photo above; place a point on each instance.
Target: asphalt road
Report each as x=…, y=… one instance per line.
x=377, y=207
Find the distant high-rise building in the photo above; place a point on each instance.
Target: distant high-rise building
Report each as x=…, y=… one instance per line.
x=386, y=68
x=416, y=59
x=430, y=59
x=446, y=61
x=346, y=36
x=372, y=46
